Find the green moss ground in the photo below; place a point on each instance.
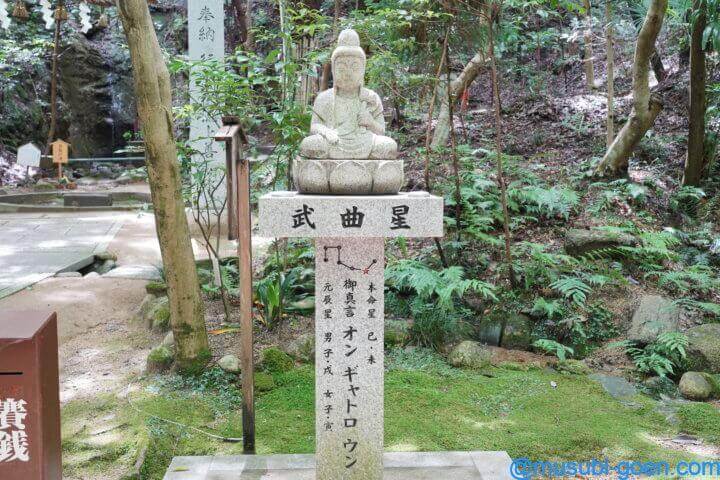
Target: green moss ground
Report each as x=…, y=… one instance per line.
x=516, y=411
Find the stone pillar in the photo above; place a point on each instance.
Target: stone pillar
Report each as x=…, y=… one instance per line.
x=206, y=41
x=349, y=327
x=350, y=234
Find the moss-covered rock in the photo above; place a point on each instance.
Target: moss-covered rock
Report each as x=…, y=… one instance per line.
x=517, y=332
x=159, y=289
x=161, y=315
x=160, y=359
x=263, y=382
x=470, y=354
x=397, y=333
x=104, y=256
x=654, y=316
x=573, y=367
x=698, y=386
x=579, y=242
x=657, y=387
x=302, y=348
x=275, y=360
x=169, y=340
x=703, y=352
x=519, y=367
x=230, y=364
x=145, y=307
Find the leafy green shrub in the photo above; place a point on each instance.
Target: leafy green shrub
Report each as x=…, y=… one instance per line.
x=278, y=293
x=274, y=360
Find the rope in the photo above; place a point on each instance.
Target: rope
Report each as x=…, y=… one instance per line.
x=178, y=424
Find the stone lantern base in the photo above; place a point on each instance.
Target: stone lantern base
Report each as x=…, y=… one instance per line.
x=348, y=177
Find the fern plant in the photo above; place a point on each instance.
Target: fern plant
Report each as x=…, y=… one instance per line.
x=444, y=286
x=573, y=289
x=695, y=278
x=661, y=357
x=553, y=347
x=546, y=202
x=435, y=305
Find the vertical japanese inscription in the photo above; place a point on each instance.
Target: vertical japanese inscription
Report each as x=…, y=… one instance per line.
x=349, y=358
x=206, y=42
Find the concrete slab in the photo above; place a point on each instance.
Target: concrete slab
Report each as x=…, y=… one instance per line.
x=398, y=466
x=33, y=248
x=140, y=272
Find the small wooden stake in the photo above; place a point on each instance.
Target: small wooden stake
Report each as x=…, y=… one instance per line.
x=238, y=174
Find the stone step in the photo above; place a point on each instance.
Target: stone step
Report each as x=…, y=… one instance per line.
x=398, y=466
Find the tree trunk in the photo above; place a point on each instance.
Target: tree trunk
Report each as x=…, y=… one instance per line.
x=646, y=106
x=457, y=86
x=610, y=39
x=658, y=67
x=250, y=37
x=588, y=60
x=655, y=59
x=54, y=82
x=154, y=103
x=695, y=160
x=499, y=146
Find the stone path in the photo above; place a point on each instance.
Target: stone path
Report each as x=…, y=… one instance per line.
x=33, y=247
x=398, y=466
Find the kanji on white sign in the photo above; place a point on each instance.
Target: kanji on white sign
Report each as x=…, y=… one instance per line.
x=13, y=438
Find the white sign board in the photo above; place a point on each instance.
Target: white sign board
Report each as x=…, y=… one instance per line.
x=29, y=155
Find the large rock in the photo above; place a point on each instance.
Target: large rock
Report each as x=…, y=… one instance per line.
x=517, y=332
x=155, y=312
x=698, y=386
x=617, y=387
x=302, y=348
x=579, y=242
x=573, y=367
x=230, y=364
x=505, y=329
x=96, y=93
x=655, y=315
x=489, y=330
x=160, y=359
x=274, y=360
x=397, y=333
x=703, y=352
x=470, y=354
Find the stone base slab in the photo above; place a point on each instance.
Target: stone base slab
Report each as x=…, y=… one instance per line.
x=348, y=177
x=398, y=466
x=407, y=214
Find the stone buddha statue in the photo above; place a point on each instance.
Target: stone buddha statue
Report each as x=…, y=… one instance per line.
x=347, y=120
x=347, y=151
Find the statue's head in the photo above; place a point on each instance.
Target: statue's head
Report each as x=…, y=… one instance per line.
x=348, y=61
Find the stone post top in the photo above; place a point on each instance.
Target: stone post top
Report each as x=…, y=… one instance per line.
x=408, y=214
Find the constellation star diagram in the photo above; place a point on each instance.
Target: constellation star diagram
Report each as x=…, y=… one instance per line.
x=365, y=271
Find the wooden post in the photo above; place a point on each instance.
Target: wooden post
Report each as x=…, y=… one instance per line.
x=238, y=174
